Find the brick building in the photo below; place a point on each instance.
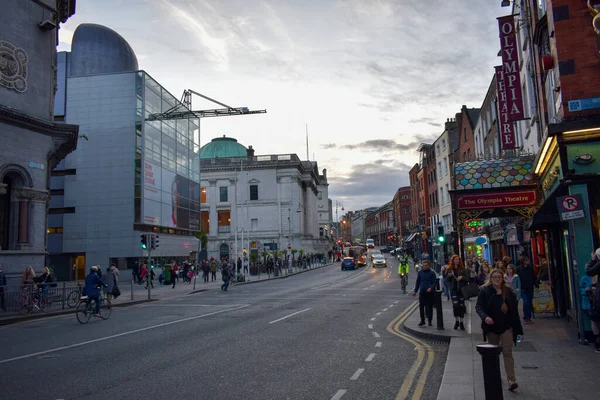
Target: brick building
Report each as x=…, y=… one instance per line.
x=402, y=212
x=466, y=120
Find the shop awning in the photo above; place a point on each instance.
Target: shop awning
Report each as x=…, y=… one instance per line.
x=548, y=213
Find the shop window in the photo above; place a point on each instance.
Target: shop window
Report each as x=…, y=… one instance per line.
x=253, y=192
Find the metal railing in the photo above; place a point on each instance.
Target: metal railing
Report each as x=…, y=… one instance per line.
x=47, y=297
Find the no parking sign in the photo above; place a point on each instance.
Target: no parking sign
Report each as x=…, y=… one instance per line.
x=570, y=207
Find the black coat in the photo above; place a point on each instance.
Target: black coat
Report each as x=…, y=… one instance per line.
x=483, y=303
x=528, y=278
x=592, y=268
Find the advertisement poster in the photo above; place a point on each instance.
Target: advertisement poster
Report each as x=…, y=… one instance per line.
x=170, y=200
x=542, y=299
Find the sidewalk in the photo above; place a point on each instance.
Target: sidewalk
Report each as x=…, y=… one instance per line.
x=135, y=294
x=549, y=363
x=431, y=332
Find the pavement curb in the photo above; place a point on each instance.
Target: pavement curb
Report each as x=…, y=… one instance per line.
x=434, y=335
x=33, y=317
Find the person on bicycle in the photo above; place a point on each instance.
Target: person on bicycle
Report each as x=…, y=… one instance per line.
x=93, y=282
x=403, y=268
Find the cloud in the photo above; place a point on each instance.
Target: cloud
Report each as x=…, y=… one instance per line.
x=65, y=36
x=329, y=146
x=369, y=184
x=388, y=145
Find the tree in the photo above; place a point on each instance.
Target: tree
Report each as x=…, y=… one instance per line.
x=265, y=254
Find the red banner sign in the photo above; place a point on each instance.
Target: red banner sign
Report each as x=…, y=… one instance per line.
x=510, y=65
x=497, y=200
x=507, y=131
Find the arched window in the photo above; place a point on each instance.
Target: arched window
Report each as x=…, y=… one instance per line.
x=224, y=252
x=14, y=211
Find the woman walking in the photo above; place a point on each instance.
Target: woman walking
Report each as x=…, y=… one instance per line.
x=499, y=313
x=513, y=280
x=458, y=277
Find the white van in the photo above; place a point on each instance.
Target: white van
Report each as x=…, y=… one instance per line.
x=370, y=243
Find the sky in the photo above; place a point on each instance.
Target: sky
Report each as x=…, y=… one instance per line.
x=371, y=79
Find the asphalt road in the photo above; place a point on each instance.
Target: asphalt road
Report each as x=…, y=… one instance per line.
x=324, y=334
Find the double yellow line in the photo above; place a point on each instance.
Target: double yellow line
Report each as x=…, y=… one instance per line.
x=423, y=349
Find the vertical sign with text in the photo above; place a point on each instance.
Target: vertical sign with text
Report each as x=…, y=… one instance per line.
x=510, y=64
x=507, y=131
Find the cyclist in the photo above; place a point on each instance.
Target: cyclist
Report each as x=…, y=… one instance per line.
x=93, y=282
x=403, y=272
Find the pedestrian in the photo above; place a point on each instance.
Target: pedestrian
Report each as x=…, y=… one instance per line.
x=528, y=283
x=425, y=285
x=513, y=280
x=471, y=271
x=505, y=262
x=444, y=283
x=499, y=313
x=109, y=281
x=173, y=272
x=3, y=289
x=543, y=272
x=213, y=269
x=136, y=274
x=591, y=293
x=483, y=275
x=457, y=277
x=205, y=270
x=28, y=277
x=226, y=276
x=143, y=273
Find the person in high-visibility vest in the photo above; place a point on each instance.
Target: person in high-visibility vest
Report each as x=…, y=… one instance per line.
x=403, y=267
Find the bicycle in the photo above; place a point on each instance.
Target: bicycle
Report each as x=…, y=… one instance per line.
x=33, y=299
x=74, y=296
x=404, y=282
x=85, y=309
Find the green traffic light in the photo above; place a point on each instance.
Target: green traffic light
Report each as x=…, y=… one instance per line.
x=441, y=239
x=143, y=245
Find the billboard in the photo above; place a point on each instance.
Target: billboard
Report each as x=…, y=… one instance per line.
x=169, y=199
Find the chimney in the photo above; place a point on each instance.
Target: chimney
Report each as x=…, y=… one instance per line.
x=250, y=152
x=325, y=174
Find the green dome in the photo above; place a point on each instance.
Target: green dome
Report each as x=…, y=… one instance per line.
x=223, y=147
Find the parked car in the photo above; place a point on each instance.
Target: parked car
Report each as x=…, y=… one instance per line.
x=348, y=263
x=387, y=249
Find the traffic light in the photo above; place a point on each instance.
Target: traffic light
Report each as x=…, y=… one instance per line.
x=440, y=236
x=153, y=241
x=144, y=241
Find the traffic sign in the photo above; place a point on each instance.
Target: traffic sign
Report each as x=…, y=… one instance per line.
x=570, y=207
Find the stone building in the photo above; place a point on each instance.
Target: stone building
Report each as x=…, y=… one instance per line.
x=264, y=202
x=32, y=144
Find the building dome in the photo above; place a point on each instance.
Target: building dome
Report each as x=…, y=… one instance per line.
x=96, y=49
x=223, y=147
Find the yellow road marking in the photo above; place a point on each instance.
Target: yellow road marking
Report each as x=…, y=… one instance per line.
x=394, y=328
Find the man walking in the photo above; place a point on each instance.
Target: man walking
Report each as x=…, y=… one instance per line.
x=425, y=285
x=528, y=282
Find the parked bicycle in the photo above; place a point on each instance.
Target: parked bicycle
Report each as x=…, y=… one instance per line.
x=75, y=295
x=33, y=299
x=86, y=308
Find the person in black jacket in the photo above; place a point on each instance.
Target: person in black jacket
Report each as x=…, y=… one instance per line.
x=528, y=282
x=425, y=285
x=497, y=307
x=458, y=277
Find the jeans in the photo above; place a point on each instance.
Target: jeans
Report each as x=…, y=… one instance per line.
x=527, y=296
x=213, y=275
x=426, y=305
x=458, y=304
x=225, y=284
x=447, y=289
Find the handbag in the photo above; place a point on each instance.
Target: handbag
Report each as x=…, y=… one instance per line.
x=115, y=292
x=470, y=290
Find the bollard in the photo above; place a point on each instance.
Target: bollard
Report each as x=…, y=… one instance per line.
x=439, y=315
x=132, y=289
x=492, y=380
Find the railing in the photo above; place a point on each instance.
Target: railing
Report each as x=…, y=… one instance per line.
x=51, y=297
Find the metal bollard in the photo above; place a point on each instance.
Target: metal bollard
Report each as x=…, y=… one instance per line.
x=492, y=380
x=64, y=295
x=439, y=315
x=132, y=289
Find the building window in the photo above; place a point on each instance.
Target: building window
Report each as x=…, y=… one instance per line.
x=52, y=231
x=406, y=210
x=203, y=195
x=320, y=195
x=224, y=252
x=205, y=221
x=253, y=192
x=64, y=210
x=254, y=224
x=445, y=166
x=223, y=194
x=442, y=196
x=468, y=154
x=444, y=144
x=224, y=221
x=465, y=132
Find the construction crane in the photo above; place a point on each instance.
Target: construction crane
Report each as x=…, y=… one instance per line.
x=184, y=109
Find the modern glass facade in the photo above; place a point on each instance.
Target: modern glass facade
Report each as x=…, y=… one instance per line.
x=167, y=168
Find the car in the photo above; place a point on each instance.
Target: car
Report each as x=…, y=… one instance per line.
x=387, y=249
x=379, y=261
x=348, y=263
x=370, y=243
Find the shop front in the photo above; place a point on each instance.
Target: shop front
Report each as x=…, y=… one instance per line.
x=565, y=230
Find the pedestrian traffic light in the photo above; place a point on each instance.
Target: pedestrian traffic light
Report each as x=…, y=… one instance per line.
x=441, y=237
x=153, y=241
x=144, y=241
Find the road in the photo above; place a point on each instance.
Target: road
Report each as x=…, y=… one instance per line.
x=324, y=334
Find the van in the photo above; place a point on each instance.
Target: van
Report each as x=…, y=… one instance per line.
x=370, y=243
